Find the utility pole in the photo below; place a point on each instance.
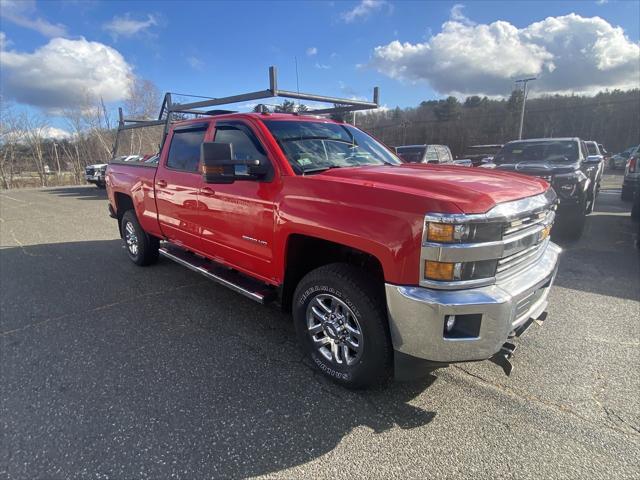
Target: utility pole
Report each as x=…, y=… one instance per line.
x=524, y=82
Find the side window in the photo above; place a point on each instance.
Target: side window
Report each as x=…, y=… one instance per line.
x=245, y=144
x=444, y=154
x=184, y=152
x=585, y=151
x=432, y=155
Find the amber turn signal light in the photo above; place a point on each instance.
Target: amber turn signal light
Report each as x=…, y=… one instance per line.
x=438, y=270
x=440, y=232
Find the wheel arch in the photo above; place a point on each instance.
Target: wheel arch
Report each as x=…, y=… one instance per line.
x=304, y=253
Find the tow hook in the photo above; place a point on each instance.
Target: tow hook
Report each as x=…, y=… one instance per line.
x=502, y=358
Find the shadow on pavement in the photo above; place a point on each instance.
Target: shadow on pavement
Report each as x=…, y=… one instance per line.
x=604, y=260
x=133, y=372
x=80, y=193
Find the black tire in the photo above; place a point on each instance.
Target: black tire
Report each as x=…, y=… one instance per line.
x=352, y=287
x=146, y=246
x=101, y=185
x=592, y=201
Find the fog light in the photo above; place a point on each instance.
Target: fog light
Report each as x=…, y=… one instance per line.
x=450, y=322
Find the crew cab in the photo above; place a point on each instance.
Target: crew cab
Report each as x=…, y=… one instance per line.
x=385, y=266
x=566, y=164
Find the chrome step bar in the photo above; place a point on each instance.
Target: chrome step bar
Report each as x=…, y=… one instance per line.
x=236, y=281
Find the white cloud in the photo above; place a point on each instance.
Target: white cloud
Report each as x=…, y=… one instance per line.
x=568, y=54
x=311, y=51
x=457, y=15
x=126, y=26
x=65, y=73
x=56, y=133
x=364, y=9
x=322, y=66
x=23, y=13
x=195, y=62
x=4, y=41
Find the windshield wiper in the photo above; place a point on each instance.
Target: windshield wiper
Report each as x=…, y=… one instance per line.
x=320, y=169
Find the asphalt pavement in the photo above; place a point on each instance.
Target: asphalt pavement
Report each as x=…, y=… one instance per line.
x=108, y=370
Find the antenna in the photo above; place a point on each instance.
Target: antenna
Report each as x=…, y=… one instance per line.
x=295, y=58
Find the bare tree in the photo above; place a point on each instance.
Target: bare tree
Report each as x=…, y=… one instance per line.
x=35, y=133
x=11, y=135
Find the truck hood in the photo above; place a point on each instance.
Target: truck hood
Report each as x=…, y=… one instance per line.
x=542, y=169
x=471, y=190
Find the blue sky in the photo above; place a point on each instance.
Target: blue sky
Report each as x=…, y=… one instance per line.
x=219, y=48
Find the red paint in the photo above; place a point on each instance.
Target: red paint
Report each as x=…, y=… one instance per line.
x=376, y=209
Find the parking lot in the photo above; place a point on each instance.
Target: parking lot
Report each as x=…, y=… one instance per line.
x=109, y=370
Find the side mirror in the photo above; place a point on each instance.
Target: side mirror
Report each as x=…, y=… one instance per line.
x=216, y=162
x=218, y=165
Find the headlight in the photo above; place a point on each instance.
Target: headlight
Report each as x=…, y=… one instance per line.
x=446, y=232
x=573, y=176
x=452, y=272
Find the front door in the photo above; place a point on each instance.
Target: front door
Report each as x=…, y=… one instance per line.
x=238, y=219
x=177, y=185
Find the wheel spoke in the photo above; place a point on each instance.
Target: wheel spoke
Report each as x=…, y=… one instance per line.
x=315, y=329
x=316, y=311
x=322, y=341
x=336, y=352
x=353, y=331
x=322, y=305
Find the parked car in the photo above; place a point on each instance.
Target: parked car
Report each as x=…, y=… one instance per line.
x=619, y=160
x=425, y=154
x=479, y=154
x=95, y=174
x=566, y=165
x=631, y=181
x=383, y=264
x=596, y=160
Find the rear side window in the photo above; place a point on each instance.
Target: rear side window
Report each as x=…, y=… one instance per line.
x=184, y=152
x=432, y=155
x=444, y=154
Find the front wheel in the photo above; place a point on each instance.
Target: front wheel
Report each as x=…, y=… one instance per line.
x=143, y=249
x=342, y=325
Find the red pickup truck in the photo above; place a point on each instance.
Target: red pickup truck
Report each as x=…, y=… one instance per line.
x=384, y=265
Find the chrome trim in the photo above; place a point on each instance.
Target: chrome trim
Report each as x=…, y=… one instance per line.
x=216, y=278
x=501, y=212
x=417, y=315
x=530, y=232
x=472, y=252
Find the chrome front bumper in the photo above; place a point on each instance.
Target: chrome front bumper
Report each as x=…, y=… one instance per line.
x=417, y=314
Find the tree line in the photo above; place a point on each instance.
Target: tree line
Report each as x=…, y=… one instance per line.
x=27, y=149
x=612, y=118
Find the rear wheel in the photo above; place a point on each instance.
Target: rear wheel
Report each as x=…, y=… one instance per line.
x=141, y=247
x=342, y=325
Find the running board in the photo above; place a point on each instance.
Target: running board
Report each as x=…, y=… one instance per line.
x=236, y=281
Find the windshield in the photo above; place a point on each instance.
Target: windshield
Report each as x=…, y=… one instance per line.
x=482, y=150
x=538, y=151
x=592, y=148
x=411, y=154
x=318, y=146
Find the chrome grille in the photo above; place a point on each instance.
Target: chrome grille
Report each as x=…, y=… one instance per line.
x=522, y=223
x=513, y=263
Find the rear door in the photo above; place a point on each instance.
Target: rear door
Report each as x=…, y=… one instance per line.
x=177, y=185
x=238, y=219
